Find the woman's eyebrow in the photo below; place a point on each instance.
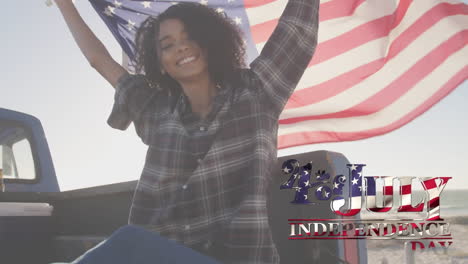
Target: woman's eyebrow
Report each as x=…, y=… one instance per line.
x=169, y=36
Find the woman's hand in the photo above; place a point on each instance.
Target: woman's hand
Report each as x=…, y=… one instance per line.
x=91, y=47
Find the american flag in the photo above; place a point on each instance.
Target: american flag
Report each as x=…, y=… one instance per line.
x=377, y=66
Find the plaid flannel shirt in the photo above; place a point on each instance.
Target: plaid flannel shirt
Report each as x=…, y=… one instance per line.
x=204, y=182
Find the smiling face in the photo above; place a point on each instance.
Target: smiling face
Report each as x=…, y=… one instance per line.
x=180, y=57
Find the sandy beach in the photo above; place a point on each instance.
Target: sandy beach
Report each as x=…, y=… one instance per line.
x=393, y=251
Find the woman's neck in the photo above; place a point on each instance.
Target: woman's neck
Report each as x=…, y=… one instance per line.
x=200, y=93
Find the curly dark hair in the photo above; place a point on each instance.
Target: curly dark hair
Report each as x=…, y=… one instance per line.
x=211, y=30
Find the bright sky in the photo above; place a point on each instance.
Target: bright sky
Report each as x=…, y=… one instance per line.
x=45, y=74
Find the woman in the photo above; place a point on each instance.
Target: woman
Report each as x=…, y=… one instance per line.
x=210, y=123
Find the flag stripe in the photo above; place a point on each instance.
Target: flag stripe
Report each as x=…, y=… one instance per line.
x=366, y=12
x=406, y=203
x=432, y=184
x=256, y=3
x=434, y=202
x=303, y=136
x=410, y=208
x=266, y=13
x=338, y=8
x=405, y=189
x=305, y=96
x=367, y=75
x=356, y=60
x=395, y=89
x=367, y=87
x=380, y=209
x=362, y=34
x=388, y=189
x=264, y=19
x=328, y=9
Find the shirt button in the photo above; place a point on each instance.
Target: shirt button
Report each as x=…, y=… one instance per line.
x=187, y=227
x=202, y=128
x=184, y=186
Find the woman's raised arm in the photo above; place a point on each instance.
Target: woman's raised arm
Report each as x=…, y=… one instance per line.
x=92, y=48
x=287, y=52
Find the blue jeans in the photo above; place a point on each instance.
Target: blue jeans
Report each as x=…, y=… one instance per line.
x=136, y=245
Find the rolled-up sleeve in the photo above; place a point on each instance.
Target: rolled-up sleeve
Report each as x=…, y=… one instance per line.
x=132, y=95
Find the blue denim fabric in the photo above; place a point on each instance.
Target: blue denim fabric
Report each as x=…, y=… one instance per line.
x=135, y=245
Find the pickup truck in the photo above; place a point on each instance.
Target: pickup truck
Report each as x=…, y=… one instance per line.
x=41, y=224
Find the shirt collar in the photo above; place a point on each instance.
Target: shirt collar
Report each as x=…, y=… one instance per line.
x=183, y=103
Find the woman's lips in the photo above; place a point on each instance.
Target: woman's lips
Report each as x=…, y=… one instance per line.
x=186, y=60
